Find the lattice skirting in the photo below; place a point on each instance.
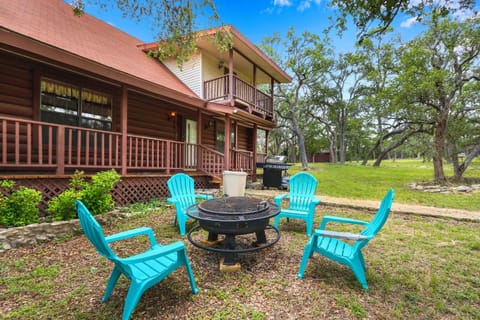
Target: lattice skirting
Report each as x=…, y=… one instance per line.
x=131, y=189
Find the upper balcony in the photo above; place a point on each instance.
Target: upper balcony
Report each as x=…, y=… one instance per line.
x=244, y=94
x=242, y=77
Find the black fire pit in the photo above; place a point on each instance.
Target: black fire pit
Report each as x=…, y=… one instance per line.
x=232, y=216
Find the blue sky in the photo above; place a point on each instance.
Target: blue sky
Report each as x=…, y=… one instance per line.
x=260, y=18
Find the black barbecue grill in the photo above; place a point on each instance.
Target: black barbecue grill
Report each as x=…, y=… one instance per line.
x=274, y=172
x=233, y=216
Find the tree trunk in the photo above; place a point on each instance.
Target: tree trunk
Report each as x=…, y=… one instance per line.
x=438, y=148
x=460, y=170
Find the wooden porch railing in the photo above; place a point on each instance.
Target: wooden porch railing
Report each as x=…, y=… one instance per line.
x=257, y=100
x=39, y=145
x=242, y=160
x=210, y=161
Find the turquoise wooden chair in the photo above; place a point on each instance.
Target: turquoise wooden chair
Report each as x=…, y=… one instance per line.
x=183, y=195
x=144, y=270
x=302, y=200
x=345, y=247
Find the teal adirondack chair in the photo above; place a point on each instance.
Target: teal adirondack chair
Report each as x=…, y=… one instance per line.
x=302, y=200
x=144, y=270
x=337, y=246
x=183, y=195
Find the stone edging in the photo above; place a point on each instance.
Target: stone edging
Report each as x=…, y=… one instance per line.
x=36, y=233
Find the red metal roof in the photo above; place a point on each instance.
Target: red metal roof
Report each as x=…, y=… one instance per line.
x=52, y=22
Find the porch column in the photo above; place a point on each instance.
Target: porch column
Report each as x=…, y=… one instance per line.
x=199, y=139
x=254, y=166
x=255, y=89
x=226, y=147
x=123, y=128
x=60, y=150
x=266, y=142
x=230, y=77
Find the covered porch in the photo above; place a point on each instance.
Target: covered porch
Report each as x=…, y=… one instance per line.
x=33, y=147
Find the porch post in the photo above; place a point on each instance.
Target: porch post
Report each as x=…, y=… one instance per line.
x=266, y=142
x=199, y=139
x=254, y=165
x=230, y=77
x=123, y=128
x=226, y=155
x=60, y=150
x=255, y=88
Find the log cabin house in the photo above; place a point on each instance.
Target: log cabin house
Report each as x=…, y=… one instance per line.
x=77, y=93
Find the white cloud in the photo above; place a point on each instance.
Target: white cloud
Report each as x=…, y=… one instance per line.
x=282, y=3
x=409, y=22
x=304, y=5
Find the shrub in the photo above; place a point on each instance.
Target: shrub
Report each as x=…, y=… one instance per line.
x=20, y=207
x=95, y=195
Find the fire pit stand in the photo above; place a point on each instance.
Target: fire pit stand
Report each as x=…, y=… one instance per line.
x=233, y=216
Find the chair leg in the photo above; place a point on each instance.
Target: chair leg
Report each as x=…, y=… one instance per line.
x=182, y=224
x=309, y=225
x=360, y=256
x=111, y=283
x=190, y=273
x=133, y=296
x=307, y=253
x=359, y=272
x=276, y=221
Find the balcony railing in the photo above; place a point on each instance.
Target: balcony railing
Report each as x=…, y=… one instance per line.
x=60, y=148
x=258, y=101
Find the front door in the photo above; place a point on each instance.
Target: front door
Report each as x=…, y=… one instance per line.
x=190, y=143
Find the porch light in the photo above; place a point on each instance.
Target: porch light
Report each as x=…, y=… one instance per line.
x=235, y=110
x=209, y=124
x=171, y=115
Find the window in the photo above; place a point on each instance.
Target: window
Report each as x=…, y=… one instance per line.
x=70, y=105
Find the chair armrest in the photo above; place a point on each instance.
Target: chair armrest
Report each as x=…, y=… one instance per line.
x=341, y=235
x=203, y=196
x=327, y=219
x=157, y=251
x=133, y=233
x=278, y=199
x=313, y=203
x=171, y=200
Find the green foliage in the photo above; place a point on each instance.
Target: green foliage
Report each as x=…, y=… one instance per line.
x=96, y=195
x=175, y=21
x=63, y=206
x=20, y=207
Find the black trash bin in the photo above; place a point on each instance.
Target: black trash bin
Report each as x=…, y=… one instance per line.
x=273, y=172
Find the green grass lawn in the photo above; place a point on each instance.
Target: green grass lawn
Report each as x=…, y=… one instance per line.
x=417, y=268
x=367, y=182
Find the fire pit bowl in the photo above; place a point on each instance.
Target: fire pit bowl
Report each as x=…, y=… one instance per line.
x=233, y=216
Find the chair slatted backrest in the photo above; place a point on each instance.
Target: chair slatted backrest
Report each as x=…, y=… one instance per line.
x=93, y=231
x=381, y=216
x=302, y=188
x=181, y=187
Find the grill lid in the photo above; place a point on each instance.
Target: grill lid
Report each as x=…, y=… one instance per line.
x=234, y=206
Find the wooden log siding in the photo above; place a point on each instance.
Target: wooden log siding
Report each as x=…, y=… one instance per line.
x=257, y=100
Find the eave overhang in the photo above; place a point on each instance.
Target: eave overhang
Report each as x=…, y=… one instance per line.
x=22, y=45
